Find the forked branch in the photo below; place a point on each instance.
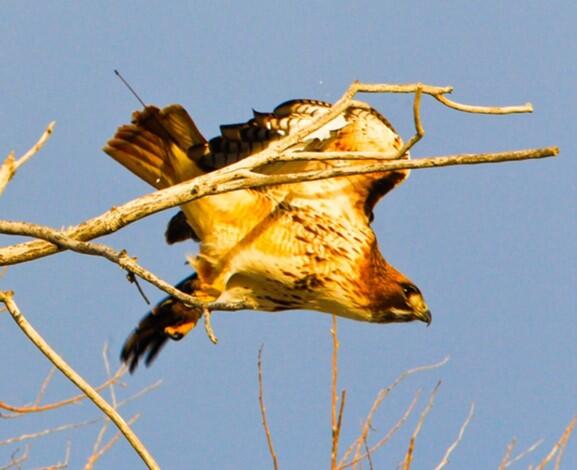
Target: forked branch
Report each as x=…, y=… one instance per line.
x=242, y=175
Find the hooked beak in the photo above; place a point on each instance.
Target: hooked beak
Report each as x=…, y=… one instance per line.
x=424, y=316
x=420, y=309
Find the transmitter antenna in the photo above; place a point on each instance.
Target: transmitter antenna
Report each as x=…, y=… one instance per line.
x=117, y=73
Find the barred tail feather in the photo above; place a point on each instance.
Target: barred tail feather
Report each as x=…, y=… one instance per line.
x=161, y=146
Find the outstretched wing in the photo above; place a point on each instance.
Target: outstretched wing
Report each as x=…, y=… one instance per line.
x=271, y=227
x=164, y=147
x=360, y=128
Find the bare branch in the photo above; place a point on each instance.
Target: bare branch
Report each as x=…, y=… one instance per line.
x=109, y=374
x=519, y=456
x=219, y=182
x=386, y=438
x=508, y=451
x=10, y=165
x=263, y=412
x=564, y=440
x=140, y=393
x=410, y=452
x=419, y=131
x=36, y=147
x=16, y=460
x=106, y=422
x=454, y=445
x=337, y=434
x=121, y=258
x=61, y=403
x=334, y=396
x=383, y=393
x=238, y=175
x=526, y=108
x=97, y=443
x=44, y=386
x=559, y=447
x=368, y=454
x=106, y=447
x=45, y=432
x=60, y=465
x=208, y=325
x=44, y=347
x=7, y=171
x=67, y=454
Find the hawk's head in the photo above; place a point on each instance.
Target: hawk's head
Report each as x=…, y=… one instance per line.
x=391, y=297
x=400, y=301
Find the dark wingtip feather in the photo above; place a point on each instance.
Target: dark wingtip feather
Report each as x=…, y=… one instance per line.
x=150, y=336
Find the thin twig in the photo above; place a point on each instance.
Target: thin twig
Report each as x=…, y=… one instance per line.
x=368, y=454
x=559, y=446
x=93, y=458
x=140, y=393
x=61, y=403
x=334, y=396
x=36, y=147
x=411, y=450
x=16, y=461
x=507, y=456
x=67, y=454
x=59, y=465
x=44, y=347
x=109, y=374
x=207, y=314
x=525, y=108
x=419, y=131
x=383, y=393
x=337, y=435
x=523, y=454
x=106, y=422
x=445, y=461
x=263, y=412
x=386, y=438
x=6, y=171
x=563, y=442
x=135, y=396
x=11, y=165
x=44, y=386
x=45, y=432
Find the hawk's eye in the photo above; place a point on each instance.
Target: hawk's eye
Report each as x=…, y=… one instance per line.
x=410, y=289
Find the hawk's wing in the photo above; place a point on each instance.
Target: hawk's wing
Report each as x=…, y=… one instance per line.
x=358, y=129
x=164, y=147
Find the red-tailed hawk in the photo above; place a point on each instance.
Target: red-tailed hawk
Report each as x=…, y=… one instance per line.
x=303, y=245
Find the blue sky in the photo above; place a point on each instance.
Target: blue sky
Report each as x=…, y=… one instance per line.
x=492, y=247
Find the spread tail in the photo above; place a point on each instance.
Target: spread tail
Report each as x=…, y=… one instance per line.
x=161, y=146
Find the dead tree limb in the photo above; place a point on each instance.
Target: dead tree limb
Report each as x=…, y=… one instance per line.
x=241, y=175
x=10, y=165
x=220, y=182
x=87, y=389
